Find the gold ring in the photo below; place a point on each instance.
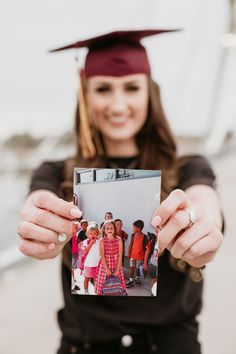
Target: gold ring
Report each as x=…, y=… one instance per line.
x=192, y=217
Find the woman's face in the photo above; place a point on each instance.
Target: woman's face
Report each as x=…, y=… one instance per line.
x=119, y=105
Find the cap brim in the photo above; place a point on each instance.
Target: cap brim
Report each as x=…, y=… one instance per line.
x=135, y=35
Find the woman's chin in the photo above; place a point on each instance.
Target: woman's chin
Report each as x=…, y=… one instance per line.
x=120, y=135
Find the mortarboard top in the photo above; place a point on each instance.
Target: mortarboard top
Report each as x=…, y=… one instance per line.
x=116, y=53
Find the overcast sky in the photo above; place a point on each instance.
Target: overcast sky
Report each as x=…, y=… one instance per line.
x=38, y=90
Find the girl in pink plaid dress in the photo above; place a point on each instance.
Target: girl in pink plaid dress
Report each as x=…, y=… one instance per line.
x=111, y=250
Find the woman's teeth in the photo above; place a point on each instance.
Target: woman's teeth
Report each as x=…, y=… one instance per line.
x=118, y=119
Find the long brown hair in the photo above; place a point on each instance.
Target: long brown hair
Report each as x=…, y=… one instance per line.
x=155, y=142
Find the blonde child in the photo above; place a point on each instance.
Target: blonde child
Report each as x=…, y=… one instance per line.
x=90, y=246
x=111, y=250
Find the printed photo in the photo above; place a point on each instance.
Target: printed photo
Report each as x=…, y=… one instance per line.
x=114, y=246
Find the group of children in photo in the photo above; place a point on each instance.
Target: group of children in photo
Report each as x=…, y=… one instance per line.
x=98, y=253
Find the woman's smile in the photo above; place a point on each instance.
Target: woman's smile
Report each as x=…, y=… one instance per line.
x=118, y=121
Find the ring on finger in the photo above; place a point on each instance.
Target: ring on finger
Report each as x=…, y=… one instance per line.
x=62, y=237
x=192, y=217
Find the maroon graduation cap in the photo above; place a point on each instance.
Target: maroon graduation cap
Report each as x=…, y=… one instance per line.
x=116, y=53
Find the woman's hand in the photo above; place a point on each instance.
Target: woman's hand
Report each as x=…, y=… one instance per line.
x=197, y=242
x=46, y=224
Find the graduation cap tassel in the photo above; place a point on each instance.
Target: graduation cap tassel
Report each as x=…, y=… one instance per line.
x=85, y=136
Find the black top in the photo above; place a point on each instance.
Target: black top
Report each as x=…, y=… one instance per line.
x=94, y=318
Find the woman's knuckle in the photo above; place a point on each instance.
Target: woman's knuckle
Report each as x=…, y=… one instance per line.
x=182, y=243
x=23, y=248
x=166, y=209
x=24, y=228
x=43, y=249
x=200, y=213
x=194, y=252
x=41, y=216
x=52, y=236
x=41, y=198
x=178, y=193
x=178, y=219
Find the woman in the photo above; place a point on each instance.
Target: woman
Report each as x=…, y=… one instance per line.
x=120, y=122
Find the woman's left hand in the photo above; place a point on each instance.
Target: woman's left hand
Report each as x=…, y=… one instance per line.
x=186, y=230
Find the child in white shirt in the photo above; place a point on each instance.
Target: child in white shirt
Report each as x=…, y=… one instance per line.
x=91, y=248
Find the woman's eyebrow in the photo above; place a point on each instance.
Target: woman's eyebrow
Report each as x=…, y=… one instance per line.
x=99, y=83
x=136, y=82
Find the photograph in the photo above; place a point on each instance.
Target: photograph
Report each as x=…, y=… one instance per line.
x=114, y=245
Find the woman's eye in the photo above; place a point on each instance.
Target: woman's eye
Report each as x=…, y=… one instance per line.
x=102, y=89
x=132, y=88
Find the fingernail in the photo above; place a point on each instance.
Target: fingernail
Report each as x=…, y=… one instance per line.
x=156, y=221
x=75, y=213
x=62, y=237
x=51, y=246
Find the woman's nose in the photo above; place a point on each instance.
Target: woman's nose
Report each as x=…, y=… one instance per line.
x=118, y=103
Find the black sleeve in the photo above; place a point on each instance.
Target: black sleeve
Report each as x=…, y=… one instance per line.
x=195, y=170
x=48, y=176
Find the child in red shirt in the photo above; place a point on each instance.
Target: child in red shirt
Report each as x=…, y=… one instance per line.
x=136, y=252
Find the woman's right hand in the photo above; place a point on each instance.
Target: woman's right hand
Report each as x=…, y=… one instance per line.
x=44, y=217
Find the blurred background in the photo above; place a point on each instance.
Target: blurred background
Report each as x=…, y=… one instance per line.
x=196, y=69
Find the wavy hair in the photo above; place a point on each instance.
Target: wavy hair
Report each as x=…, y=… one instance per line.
x=155, y=142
